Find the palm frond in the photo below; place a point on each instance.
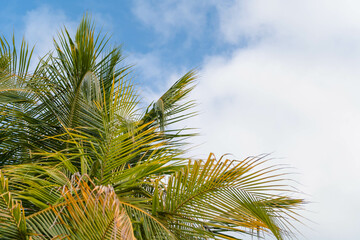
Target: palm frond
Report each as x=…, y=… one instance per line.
x=225, y=196
x=12, y=216
x=171, y=108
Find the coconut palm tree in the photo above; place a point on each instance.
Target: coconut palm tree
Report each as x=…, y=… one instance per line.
x=80, y=159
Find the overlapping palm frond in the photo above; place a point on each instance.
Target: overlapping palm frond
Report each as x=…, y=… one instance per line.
x=84, y=213
x=84, y=161
x=12, y=215
x=17, y=101
x=78, y=75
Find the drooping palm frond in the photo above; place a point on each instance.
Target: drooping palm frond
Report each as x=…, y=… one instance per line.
x=168, y=106
x=172, y=107
x=213, y=197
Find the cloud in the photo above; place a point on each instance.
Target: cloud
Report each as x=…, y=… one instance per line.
x=171, y=17
x=292, y=91
x=42, y=25
x=156, y=76
x=309, y=23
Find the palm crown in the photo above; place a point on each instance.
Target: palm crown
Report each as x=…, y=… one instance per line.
x=79, y=158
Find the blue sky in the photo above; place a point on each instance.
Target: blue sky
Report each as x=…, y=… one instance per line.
x=181, y=41
x=275, y=76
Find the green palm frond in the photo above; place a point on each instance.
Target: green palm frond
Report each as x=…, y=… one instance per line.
x=171, y=108
x=12, y=216
x=225, y=196
x=167, y=108
x=79, y=73
x=17, y=100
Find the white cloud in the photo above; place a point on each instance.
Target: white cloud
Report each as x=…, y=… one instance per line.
x=156, y=76
x=42, y=25
x=169, y=17
x=309, y=23
x=292, y=91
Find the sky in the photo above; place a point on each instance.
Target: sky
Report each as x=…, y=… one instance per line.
x=275, y=76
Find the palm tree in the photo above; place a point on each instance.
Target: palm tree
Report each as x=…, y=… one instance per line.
x=80, y=159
